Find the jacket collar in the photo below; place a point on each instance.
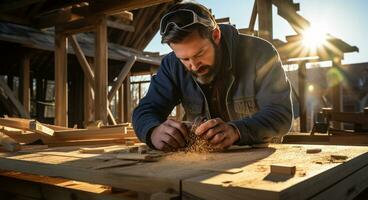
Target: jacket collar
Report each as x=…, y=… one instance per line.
x=230, y=36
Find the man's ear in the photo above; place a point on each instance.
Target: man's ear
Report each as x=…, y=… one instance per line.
x=216, y=35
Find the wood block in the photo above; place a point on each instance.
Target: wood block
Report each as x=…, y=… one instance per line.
x=283, y=169
x=314, y=150
x=40, y=128
x=91, y=150
x=339, y=157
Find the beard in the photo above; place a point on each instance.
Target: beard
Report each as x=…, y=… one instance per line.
x=212, y=70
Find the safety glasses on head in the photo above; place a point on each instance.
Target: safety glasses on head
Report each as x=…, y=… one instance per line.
x=187, y=18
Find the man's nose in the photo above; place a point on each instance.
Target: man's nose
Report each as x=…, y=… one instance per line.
x=194, y=64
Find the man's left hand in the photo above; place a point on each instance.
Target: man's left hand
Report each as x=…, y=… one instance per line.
x=219, y=133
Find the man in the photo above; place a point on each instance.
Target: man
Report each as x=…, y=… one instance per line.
x=235, y=81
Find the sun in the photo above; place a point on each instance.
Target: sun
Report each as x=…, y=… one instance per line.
x=315, y=36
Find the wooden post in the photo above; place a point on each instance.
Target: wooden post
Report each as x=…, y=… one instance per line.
x=88, y=97
x=101, y=70
x=264, y=10
x=61, y=88
x=26, y=81
x=120, y=113
x=253, y=17
x=127, y=99
x=10, y=81
x=337, y=102
x=302, y=75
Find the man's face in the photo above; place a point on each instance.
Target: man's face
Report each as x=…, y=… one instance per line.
x=198, y=56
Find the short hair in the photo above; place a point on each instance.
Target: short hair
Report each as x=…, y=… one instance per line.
x=176, y=35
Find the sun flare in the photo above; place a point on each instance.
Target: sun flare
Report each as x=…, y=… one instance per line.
x=315, y=36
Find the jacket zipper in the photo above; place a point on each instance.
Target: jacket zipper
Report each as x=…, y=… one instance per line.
x=207, y=111
x=226, y=97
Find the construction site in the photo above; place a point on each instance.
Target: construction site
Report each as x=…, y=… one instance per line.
x=73, y=71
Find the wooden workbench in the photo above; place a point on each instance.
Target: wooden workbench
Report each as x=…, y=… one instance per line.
x=204, y=175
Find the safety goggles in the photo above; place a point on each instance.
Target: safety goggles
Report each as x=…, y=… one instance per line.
x=188, y=18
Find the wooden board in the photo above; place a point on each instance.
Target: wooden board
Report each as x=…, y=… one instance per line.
x=315, y=173
x=26, y=124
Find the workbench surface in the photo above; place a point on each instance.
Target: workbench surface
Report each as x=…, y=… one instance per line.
x=239, y=173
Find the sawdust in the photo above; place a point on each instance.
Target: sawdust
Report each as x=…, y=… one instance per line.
x=189, y=156
x=195, y=143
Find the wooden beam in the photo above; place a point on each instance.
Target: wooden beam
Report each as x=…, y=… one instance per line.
x=14, y=19
x=120, y=26
x=264, y=10
x=88, y=98
x=7, y=5
x=336, y=90
x=120, y=111
x=8, y=94
x=82, y=59
x=25, y=124
x=78, y=26
x=26, y=81
x=61, y=87
x=101, y=70
x=121, y=77
x=127, y=99
x=287, y=10
x=253, y=17
x=57, y=18
x=302, y=76
x=113, y=7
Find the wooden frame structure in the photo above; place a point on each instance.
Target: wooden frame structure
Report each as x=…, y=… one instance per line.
x=288, y=11
x=71, y=18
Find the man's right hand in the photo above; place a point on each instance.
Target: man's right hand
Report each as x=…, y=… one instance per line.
x=169, y=136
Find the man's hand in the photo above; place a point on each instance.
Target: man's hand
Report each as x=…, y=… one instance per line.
x=169, y=136
x=219, y=133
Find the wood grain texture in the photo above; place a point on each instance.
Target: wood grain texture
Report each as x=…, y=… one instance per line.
x=315, y=173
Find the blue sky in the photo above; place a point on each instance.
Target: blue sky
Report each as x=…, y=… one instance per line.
x=347, y=20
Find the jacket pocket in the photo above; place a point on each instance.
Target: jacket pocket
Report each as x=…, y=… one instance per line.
x=245, y=106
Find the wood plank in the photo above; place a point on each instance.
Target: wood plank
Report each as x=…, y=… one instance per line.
x=25, y=124
x=61, y=87
x=256, y=181
x=348, y=188
x=28, y=186
x=326, y=139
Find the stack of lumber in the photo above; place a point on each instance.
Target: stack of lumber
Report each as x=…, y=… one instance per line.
x=30, y=131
